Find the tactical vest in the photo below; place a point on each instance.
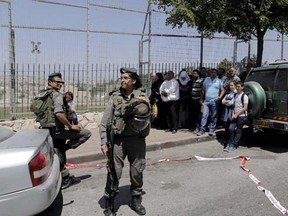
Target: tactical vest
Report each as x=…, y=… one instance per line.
x=50, y=119
x=119, y=106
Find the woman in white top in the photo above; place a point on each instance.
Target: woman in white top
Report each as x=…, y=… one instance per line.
x=238, y=119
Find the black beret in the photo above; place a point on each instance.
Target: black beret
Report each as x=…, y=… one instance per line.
x=54, y=74
x=128, y=70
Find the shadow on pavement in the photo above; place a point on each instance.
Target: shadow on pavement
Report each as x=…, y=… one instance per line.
x=123, y=198
x=83, y=177
x=267, y=140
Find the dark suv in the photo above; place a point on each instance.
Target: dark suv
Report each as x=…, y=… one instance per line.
x=267, y=89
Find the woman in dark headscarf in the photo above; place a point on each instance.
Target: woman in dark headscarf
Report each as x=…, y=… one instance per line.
x=155, y=98
x=185, y=101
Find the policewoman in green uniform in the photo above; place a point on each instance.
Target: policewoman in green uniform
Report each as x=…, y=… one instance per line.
x=129, y=114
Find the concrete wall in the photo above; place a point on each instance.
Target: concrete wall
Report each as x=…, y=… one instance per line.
x=86, y=120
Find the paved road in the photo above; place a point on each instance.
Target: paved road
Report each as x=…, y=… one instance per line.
x=186, y=186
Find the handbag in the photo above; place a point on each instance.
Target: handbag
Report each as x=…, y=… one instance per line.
x=155, y=110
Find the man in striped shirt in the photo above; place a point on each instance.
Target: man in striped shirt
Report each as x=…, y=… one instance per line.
x=197, y=83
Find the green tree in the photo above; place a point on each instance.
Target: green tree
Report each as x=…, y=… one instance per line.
x=225, y=63
x=241, y=19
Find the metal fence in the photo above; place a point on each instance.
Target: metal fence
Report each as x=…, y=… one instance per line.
x=99, y=36
x=91, y=89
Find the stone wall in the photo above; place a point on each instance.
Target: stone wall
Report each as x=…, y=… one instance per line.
x=86, y=120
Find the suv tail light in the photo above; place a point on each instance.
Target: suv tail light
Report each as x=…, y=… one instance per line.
x=40, y=165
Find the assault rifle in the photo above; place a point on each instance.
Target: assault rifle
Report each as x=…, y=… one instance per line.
x=111, y=189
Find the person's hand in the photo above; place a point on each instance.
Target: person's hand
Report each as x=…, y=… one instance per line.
x=104, y=149
x=75, y=127
x=164, y=93
x=234, y=116
x=226, y=103
x=217, y=99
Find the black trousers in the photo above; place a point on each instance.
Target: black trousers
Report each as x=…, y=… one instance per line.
x=196, y=113
x=172, y=114
x=61, y=145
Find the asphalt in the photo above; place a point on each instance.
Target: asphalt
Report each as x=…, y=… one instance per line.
x=157, y=139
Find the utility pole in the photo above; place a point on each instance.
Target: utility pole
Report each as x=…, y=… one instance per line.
x=12, y=64
x=201, y=50
x=282, y=46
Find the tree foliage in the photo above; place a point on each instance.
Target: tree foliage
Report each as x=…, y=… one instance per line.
x=242, y=19
x=225, y=63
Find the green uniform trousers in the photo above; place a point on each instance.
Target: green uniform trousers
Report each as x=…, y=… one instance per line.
x=134, y=147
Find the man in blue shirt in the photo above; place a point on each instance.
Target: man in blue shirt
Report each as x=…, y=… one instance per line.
x=212, y=93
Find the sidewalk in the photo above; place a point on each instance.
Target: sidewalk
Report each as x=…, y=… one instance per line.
x=157, y=139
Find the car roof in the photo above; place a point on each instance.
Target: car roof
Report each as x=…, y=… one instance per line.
x=272, y=67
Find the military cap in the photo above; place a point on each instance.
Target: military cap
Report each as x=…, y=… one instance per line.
x=54, y=74
x=128, y=70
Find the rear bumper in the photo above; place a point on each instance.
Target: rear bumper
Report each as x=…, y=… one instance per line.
x=281, y=126
x=33, y=200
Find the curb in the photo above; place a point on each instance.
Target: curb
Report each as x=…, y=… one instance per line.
x=90, y=157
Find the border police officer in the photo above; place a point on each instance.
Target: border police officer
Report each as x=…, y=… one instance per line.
x=129, y=112
x=61, y=129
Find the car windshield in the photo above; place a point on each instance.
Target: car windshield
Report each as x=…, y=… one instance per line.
x=5, y=133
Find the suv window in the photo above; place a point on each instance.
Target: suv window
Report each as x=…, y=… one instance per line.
x=265, y=78
x=280, y=95
x=281, y=80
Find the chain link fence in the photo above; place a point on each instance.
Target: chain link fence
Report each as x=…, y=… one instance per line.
x=89, y=41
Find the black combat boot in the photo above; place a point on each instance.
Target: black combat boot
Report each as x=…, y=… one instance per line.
x=109, y=212
x=109, y=207
x=137, y=206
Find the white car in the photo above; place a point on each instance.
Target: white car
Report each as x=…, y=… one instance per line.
x=30, y=177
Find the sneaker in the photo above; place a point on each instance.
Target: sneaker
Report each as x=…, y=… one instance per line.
x=196, y=131
x=231, y=148
x=200, y=133
x=226, y=149
x=69, y=180
x=174, y=131
x=211, y=133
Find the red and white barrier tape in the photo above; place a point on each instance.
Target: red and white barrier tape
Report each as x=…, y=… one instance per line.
x=73, y=166
x=268, y=193
x=243, y=163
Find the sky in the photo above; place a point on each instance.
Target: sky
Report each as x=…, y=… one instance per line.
x=70, y=47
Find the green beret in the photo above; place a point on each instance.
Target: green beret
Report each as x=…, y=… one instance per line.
x=54, y=74
x=128, y=70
